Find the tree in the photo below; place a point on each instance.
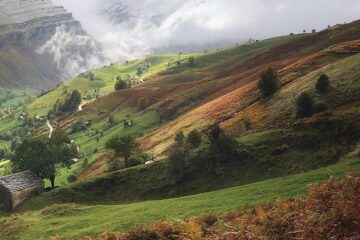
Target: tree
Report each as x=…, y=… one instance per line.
x=180, y=137
x=73, y=102
x=268, y=83
x=176, y=163
x=194, y=139
x=305, y=106
x=121, y=84
x=41, y=155
x=112, y=121
x=323, y=83
x=222, y=147
x=139, y=71
x=191, y=61
x=69, y=104
x=179, y=153
x=123, y=147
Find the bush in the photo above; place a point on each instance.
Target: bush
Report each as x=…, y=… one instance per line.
x=222, y=149
x=323, y=83
x=133, y=162
x=71, y=178
x=3, y=152
x=77, y=127
x=143, y=103
x=194, y=139
x=177, y=163
x=268, y=83
x=191, y=61
x=305, y=106
x=121, y=84
x=179, y=137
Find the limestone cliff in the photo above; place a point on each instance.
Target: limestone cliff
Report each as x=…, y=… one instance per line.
x=39, y=44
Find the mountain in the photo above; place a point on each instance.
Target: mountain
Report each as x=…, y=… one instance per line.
x=132, y=12
x=41, y=43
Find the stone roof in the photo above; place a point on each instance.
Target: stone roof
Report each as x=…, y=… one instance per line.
x=20, y=181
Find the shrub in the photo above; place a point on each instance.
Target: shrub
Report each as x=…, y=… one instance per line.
x=3, y=152
x=177, y=163
x=191, y=61
x=268, y=83
x=121, y=84
x=136, y=161
x=77, y=127
x=112, y=121
x=323, y=83
x=221, y=150
x=194, y=139
x=305, y=106
x=179, y=137
x=143, y=103
x=71, y=178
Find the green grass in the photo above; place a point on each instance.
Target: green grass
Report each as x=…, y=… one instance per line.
x=71, y=221
x=4, y=165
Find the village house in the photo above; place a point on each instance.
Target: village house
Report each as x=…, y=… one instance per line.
x=16, y=188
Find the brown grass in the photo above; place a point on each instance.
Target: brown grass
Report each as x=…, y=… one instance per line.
x=330, y=210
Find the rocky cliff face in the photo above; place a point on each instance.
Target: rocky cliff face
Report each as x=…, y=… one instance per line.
x=46, y=43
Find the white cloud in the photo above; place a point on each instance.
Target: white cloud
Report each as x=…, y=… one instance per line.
x=184, y=22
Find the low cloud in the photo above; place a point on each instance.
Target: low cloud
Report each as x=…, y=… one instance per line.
x=133, y=28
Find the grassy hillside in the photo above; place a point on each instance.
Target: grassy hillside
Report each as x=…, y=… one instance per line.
x=163, y=81
x=70, y=221
x=177, y=97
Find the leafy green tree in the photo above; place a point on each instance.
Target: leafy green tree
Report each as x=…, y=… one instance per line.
x=41, y=155
x=112, y=121
x=69, y=104
x=268, y=83
x=123, y=147
x=72, y=103
x=323, y=83
x=222, y=147
x=179, y=153
x=305, y=106
x=176, y=164
x=120, y=85
x=194, y=139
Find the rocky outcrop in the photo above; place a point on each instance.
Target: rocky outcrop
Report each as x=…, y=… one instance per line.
x=51, y=44
x=32, y=22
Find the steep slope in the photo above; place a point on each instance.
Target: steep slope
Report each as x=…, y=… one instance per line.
x=32, y=46
x=219, y=88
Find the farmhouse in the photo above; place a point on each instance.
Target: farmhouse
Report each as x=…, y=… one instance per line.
x=16, y=188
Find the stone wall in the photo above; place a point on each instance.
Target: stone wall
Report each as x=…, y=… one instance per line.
x=18, y=197
x=5, y=199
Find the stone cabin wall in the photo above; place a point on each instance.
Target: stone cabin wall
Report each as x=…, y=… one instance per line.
x=5, y=199
x=18, y=197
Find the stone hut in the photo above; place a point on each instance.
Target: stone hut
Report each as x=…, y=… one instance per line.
x=16, y=188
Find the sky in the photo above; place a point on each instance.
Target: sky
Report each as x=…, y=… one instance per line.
x=198, y=22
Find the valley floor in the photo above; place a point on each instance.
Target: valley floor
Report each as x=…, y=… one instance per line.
x=70, y=221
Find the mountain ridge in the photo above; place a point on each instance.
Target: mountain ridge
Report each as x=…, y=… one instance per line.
x=27, y=29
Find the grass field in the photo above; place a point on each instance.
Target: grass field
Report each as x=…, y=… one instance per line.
x=70, y=221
